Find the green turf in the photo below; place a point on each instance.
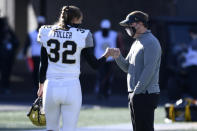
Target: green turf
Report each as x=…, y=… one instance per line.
x=159, y=115
x=15, y=119
x=88, y=117
x=103, y=116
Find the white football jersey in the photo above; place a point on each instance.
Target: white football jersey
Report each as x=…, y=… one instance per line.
x=64, y=49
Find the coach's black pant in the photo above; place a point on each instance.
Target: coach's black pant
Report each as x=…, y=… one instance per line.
x=142, y=107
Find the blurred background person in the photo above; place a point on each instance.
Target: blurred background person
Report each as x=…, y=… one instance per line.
x=193, y=35
x=34, y=60
x=104, y=38
x=190, y=63
x=176, y=85
x=8, y=47
x=183, y=81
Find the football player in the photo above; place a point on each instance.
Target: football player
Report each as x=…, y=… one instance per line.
x=62, y=45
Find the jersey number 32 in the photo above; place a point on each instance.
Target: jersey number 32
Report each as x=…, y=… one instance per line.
x=55, y=51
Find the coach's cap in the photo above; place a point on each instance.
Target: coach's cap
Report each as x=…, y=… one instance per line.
x=41, y=19
x=135, y=16
x=105, y=24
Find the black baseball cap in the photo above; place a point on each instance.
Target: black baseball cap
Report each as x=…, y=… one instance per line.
x=135, y=16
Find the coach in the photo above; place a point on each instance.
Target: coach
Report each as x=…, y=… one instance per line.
x=142, y=67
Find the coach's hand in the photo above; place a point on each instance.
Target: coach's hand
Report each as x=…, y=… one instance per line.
x=40, y=90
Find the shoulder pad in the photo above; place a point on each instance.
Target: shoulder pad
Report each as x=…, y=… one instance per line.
x=42, y=32
x=43, y=29
x=46, y=26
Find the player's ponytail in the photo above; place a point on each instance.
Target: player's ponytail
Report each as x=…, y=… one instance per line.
x=67, y=15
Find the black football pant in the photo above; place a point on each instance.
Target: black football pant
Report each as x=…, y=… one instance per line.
x=142, y=107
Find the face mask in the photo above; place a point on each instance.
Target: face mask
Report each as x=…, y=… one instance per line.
x=105, y=32
x=76, y=25
x=130, y=31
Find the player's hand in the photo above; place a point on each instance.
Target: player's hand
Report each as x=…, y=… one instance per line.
x=107, y=52
x=40, y=90
x=115, y=53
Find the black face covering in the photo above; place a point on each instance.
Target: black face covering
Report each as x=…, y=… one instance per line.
x=76, y=25
x=130, y=31
x=105, y=32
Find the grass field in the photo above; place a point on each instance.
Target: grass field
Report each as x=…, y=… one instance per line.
x=88, y=117
x=94, y=116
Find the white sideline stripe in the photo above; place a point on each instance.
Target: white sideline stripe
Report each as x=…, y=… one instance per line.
x=128, y=127
x=176, y=126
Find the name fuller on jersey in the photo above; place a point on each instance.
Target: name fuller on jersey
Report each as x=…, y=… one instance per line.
x=62, y=34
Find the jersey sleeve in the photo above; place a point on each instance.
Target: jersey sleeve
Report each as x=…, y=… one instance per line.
x=43, y=65
x=89, y=40
x=91, y=59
